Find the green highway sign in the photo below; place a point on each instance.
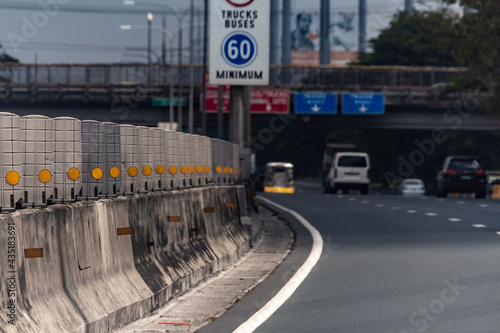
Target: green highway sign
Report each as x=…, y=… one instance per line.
x=165, y=101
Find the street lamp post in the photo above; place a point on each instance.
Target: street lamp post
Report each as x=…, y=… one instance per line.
x=150, y=20
x=179, y=16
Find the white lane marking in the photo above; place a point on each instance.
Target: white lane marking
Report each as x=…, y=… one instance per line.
x=484, y=206
x=280, y=298
x=411, y=211
x=479, y=226
x=394, y=208
x=431, y=214
x=352, y=199
x=365, y=202
x=461, y=203
x=379, y=205
x=454, y=220
x=498, y=233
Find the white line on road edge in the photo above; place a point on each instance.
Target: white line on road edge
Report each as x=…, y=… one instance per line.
x=289, y=288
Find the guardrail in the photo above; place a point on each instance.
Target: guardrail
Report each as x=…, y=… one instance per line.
x=283, y=76
x=57, y=160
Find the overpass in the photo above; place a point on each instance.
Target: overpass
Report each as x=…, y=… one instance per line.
x=122, y=93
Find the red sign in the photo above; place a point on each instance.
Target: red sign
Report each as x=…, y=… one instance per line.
x=262, y=100
x=240, y=3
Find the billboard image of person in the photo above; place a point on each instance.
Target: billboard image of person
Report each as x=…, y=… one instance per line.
x=300, y=36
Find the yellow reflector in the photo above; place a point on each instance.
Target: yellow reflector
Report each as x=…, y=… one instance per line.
x=44, y=176
x=230, y=170
x=160, y=169
x=191, y=169
x=97, y=173
x=199, y=169
x=218, y=169
x=124, y=231
x=225, y=169
x=172, y=170
x=73, y=173
x=33, y=253
x=207, y=169
x=12, y=178
x=184, y=169
x=235, y=171
x=132, y=171
x=114, y=172
x=147, y=170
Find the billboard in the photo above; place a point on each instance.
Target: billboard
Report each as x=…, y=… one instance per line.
x=305, y=38
x=239, y=42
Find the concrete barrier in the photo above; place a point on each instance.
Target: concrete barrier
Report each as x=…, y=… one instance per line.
x=95, y=266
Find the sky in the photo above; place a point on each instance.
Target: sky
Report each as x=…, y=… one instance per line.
x=48, y=35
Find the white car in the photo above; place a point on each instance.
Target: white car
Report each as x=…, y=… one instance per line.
x=411, y=186
x=349, y=171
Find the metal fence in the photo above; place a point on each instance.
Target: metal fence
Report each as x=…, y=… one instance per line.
x=293, y=77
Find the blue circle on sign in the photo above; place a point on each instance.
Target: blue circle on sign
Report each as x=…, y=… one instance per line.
x=239, y=49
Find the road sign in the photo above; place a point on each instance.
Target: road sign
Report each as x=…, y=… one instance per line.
x=165, y=101
x=363, y=103
x=262, y=101
x=315, y=103
x=239, y=42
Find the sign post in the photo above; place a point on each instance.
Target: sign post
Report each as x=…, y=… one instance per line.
x=239, y=56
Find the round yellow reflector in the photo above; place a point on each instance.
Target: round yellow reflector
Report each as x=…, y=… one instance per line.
x=218, y=169
x=114, y=172
x=172, y=170
x=230, y=170
x=147, y=170
x=160, y=169
x=191, y=169
x=73, y=173
x=184, y=169
x=226, y=169
x=97, y=173
x=13, y=178
x=44, y=176
x=199, y=169
x=235, y=171
x=133, y=171
x=207, y=169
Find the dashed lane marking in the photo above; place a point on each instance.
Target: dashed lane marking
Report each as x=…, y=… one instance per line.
x=479, y=226
x=454, y=220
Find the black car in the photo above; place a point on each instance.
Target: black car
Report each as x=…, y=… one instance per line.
x=462, y=174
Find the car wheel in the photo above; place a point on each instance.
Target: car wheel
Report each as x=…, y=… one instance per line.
x=364, y=190
x=481, y=194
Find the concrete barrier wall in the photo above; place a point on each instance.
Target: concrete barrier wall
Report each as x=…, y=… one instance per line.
x=95, y=266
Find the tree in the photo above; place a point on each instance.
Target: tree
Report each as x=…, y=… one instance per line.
x=477, y=45
x=417, y=39
x=4, y=57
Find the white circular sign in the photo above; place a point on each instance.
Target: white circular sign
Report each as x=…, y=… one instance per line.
x=240, y=3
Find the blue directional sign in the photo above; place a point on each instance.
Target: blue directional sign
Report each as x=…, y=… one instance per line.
x=315, y=103
x=363, y=103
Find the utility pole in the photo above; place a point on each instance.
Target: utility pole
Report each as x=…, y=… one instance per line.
x=191, y=68
x=286, y=44
x=409, y=6
x=324, y=49
x=362, y=30
x=150, y=19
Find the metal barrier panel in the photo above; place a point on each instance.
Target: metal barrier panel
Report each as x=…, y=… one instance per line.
x=129, y=140
x=198, y=160
x=10, y=161
x=208, y=160
x=146, y=160
x=236, y=163
x=37, y=150
x=216, y=161
x=173, y=159
x=112, y=160
x=67, y=159
x=183, y=163
x=93, y=159
x=191, y=158
x=159, y=159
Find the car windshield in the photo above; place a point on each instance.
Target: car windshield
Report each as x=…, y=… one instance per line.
x=464, y=164
x=352, y=161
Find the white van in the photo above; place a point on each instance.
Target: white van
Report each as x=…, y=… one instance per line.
x=349, y=171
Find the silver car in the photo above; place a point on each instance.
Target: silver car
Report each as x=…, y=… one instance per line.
x=412, y=186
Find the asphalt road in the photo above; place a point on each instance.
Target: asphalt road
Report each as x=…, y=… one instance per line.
x=391, y=264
